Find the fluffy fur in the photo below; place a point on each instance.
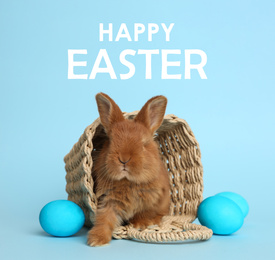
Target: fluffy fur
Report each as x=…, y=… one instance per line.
x=131, y=182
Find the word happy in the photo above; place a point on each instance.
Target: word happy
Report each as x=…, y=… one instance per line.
x=139, y=30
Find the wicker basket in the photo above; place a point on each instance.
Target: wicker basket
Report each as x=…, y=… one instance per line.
x=181, y=155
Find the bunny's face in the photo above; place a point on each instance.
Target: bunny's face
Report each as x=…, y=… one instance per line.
x=129, y=150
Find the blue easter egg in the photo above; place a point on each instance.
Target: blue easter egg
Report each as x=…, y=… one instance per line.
x=220, y=214
x=61, y=218
x=238, y=199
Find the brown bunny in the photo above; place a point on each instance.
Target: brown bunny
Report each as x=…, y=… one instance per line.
x=131, y=182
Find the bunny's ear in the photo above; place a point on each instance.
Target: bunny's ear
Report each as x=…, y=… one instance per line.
x=108, y=110
x=152, y=113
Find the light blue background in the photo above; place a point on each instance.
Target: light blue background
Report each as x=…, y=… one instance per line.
x=43, y=113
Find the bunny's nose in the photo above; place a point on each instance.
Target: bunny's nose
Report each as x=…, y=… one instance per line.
x=124, y=160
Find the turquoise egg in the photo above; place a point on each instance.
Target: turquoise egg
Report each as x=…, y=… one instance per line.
x=238, y=199
x=61, y=218
x=220, y=214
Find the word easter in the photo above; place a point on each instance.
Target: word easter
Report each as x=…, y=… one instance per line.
x=139, y=29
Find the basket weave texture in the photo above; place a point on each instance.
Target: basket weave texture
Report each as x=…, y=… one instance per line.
x=181, y=155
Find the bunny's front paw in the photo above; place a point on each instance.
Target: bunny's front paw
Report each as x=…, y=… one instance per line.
x=99, y=237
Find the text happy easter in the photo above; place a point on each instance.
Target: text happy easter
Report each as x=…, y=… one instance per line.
x=106, y=33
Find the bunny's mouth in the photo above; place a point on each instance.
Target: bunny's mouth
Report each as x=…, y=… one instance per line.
x=124, y=168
